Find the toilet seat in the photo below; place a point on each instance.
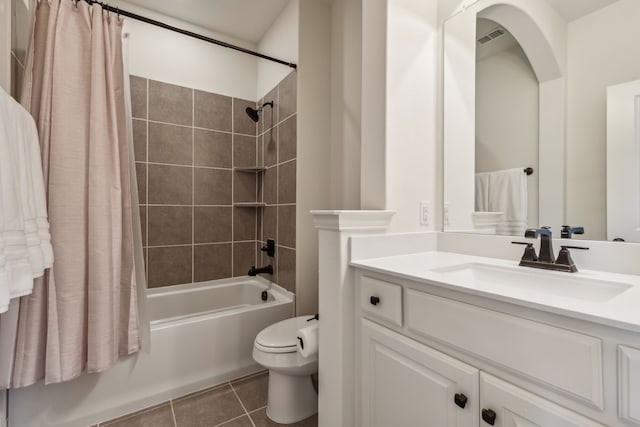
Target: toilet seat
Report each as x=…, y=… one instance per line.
x=281, y=337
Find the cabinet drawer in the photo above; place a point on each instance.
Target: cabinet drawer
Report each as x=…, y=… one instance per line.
x=563, y=359
x=381, y=299
x=513, y=406
x=629, y=383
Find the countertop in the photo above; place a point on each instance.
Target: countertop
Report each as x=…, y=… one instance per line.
x=621, y=310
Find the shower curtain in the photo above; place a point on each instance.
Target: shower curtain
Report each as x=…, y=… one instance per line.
x=83, y=314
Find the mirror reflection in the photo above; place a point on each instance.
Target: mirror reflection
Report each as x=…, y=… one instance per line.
x=541, y=71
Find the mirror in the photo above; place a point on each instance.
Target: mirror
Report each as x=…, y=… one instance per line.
x=533, y=93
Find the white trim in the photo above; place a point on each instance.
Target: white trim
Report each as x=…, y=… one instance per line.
x=352, y=220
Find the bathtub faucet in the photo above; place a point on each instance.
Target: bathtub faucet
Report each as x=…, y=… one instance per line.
x=253, y=270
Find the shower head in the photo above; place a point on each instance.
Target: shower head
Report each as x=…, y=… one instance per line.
x=254, y=114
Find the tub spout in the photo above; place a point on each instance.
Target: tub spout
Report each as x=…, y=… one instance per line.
x=254, y=271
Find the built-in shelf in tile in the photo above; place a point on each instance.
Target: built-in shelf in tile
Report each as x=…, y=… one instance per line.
x=250, y=205
x=250, y=169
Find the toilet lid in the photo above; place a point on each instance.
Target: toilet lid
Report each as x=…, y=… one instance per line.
x=281, y=336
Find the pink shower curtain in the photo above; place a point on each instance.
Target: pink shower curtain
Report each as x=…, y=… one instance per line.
x=82, y=315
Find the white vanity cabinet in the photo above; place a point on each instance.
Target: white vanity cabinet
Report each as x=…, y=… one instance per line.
x=405, y=383
x=434, y=361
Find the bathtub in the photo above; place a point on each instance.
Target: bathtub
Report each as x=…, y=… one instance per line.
x=201, y=335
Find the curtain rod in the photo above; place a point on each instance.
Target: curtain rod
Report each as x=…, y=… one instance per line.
x=141, y=18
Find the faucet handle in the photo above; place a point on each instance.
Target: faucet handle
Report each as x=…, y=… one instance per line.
x=567, y=231
x=529, y=252
x=564, y=257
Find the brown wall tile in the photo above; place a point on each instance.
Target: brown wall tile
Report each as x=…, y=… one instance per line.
x=170, y=103
x=140, y=140
x=287, y=182
x=143, y=224
x=170, y=225
x=212, y=186
x=213, y=224
x=269, y=115
x=270, y=224
x=287, y=226
x=244, y=256
x=212, y=261
x=141, y=177
x=270, y=146
x=288, y=93
x=138, y=97
x=244, y=224
x=212, y=111
x=212, y=149
x=244, y=151
x=170, y=144
x=286, y=259
x=287, y=141
x=270, y=187
x=170, y=185
x=241, y=121
x=169, y=265
x=244, y=187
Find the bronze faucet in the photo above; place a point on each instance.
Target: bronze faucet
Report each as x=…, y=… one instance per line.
x=545, y=258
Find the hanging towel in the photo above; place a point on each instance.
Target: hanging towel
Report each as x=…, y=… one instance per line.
x=25, y=242
x=482, y=192
x=508, y=194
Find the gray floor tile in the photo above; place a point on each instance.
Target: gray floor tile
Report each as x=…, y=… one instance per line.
x=238, y=422
x=158, y=416
x=260, y=419
x=252, y=391
x=207, y=408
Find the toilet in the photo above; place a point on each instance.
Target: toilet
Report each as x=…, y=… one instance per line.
x=292, y=396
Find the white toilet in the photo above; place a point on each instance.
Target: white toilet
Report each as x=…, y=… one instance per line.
x=292, y=396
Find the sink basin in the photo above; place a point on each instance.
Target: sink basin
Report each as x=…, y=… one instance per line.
x=495, y=278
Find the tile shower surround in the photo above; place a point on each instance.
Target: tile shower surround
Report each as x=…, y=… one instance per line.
x=186, y=144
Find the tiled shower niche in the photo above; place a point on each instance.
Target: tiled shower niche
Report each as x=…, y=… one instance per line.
x=190, y=148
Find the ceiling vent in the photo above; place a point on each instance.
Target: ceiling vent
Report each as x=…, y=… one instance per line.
x=493, y=34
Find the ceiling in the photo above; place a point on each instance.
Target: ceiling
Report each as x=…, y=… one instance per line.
x=574, y=9
x=246, y=20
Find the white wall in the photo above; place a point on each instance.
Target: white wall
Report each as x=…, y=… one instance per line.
x=399, y=109
x=603, y=50
x=346, y=103
x=411, y=112
x=170, y=57
x=507, y=118
x=280, y=41
x=5, y=45
x=314, y=133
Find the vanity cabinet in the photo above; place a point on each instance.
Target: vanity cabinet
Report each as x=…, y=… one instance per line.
x=434, y=361
x=405, y=383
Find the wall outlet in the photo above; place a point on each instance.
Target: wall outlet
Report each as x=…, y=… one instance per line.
x=445, y=213
x=425, y=213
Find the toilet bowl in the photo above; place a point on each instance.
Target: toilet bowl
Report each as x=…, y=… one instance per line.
x=292, y=396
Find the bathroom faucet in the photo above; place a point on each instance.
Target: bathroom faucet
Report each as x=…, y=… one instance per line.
x=546, y=246
x=567, y=231
x=545, y=258
x=255, y=271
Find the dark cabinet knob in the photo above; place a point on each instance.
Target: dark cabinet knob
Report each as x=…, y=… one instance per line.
x=460, y=400
x=489, y=416
x=374, y=300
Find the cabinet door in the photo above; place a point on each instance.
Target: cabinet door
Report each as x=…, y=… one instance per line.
x=404, y=383
x=510, y=406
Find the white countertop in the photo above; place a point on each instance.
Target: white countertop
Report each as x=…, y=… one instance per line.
x=620, y=311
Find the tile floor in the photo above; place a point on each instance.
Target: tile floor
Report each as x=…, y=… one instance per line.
x=237, y=403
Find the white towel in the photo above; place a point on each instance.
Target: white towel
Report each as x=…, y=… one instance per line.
x=508, y=194
x=25, y=242
x=482, y=192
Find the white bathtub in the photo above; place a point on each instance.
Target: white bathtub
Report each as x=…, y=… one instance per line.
x=201, y=335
